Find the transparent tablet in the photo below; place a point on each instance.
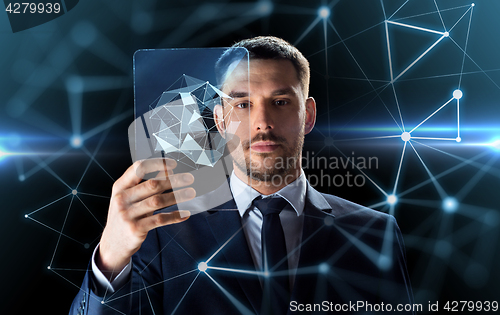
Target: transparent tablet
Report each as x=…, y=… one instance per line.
x=184, y=111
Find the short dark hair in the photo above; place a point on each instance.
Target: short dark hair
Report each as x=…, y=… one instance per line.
x=266, y=47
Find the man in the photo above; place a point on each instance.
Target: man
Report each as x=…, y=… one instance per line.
x=335, y=255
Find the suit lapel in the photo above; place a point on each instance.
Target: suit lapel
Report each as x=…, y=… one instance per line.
x=315, y=239
x=227, y=230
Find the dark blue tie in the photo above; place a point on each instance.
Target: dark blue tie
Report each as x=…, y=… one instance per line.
x=274, y=256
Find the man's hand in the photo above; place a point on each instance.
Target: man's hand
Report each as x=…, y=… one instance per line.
x=131, y=209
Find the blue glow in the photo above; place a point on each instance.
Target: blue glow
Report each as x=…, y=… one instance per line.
x=384, y=262
x=84, y=33
x=76, y=141
x=2, y=153
x=495, y=145
x=329, y=141
x=202, y=266
x=142, y=22
x=405, y=136
x=443, y=249
x=328, y=221
x=265, y=7
x=74, y=84
x=324, y=12
x=13, y=139
x=450, y=204
x=392, y=199
x=323, y=268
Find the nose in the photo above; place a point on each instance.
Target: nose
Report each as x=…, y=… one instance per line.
x=262, y=117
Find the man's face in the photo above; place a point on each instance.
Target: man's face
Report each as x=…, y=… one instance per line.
x=272, y=116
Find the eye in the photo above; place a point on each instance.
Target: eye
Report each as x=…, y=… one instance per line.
x=242, y=105
x=281, y=102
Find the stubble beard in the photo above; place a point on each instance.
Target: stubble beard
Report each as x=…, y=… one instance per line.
x=271, y=169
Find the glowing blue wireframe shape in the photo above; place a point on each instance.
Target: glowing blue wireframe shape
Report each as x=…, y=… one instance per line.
x=179, y=126
x=418, y=28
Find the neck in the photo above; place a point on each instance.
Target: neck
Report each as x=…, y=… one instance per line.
x=269, y=187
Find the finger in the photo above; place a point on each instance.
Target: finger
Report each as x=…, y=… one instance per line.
x=136, y=172
x=163, y=166
x=161, y=219
x=147, y=206
x=153, y=187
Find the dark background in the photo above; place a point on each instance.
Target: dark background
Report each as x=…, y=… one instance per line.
x=74, y=76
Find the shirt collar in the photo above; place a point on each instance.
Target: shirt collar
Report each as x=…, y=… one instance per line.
x=294, y=193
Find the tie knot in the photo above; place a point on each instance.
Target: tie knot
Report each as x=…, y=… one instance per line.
x=271, y=205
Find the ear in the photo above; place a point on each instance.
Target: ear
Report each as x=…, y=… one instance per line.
x=219, y=119
x=310, y=115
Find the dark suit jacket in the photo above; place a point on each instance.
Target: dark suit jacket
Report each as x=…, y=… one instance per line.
x=349, y=255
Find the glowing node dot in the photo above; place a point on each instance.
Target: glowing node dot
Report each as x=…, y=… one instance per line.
x=457, y=94
x=450, y=204
x=328, y=221
x=102, y=302
x=446, y=34
x=384, y=262
x=84, y=34
x=324, y=12
x=473, y=4
x=75, y=84
x=74, y=192
x=323, y=268
x=265, y=8
x=458, y=139
x=328, y=141
x=443, y=249
x=492, y=218
x=476, y=275
x=48, y=267
x=405, y=136
x=202, y=266
x=22, y=178
x=86, y=245
x=392, y=199
x=76, y=141
x=26, y=216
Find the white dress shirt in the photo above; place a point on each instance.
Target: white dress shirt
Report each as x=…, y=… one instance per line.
x=292, y=220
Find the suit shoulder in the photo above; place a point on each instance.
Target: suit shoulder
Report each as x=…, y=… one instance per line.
x=344, y=209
